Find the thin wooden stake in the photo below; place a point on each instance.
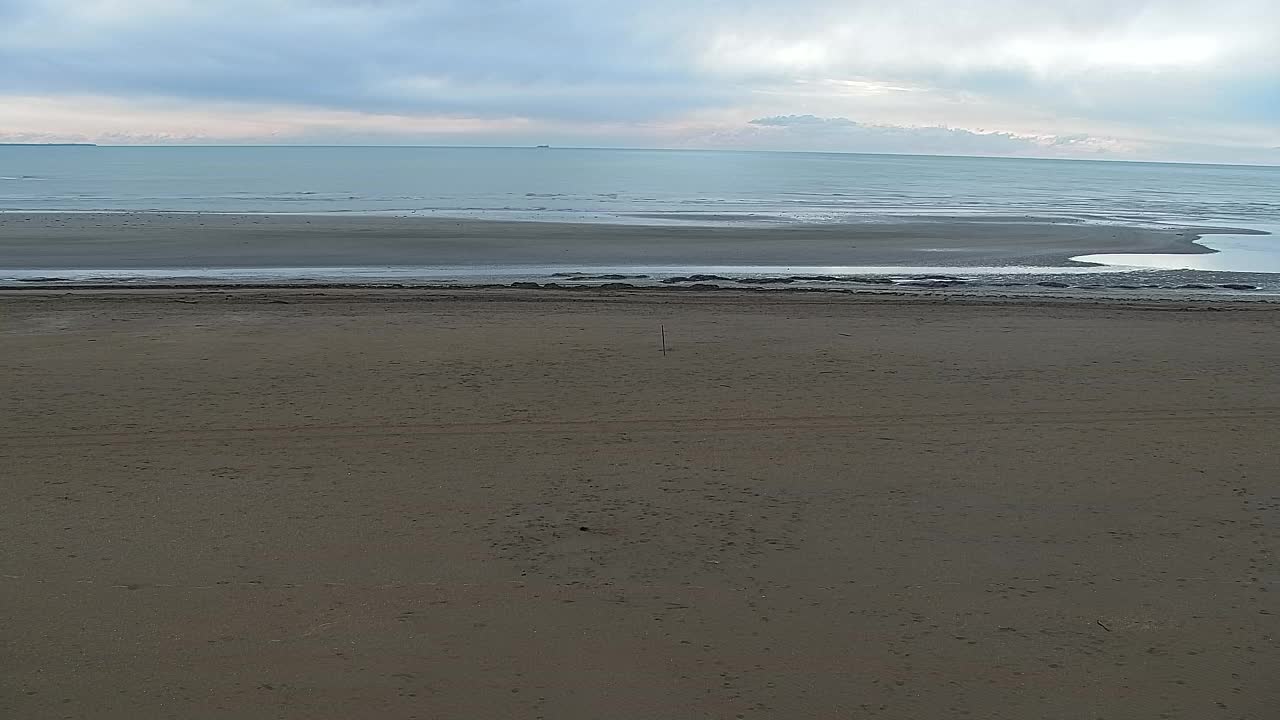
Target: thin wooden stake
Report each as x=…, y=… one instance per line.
x=663, y=329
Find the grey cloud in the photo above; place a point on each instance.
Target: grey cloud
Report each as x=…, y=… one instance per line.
x=844, y=135
x=495, y=58
x=803, y=121
x=592, y=61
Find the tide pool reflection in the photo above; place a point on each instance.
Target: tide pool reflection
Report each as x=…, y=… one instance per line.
x=1235, y=253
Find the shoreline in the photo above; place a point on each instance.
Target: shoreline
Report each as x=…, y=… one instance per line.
x=992, y=255
x=373, y=294
x=160, y=239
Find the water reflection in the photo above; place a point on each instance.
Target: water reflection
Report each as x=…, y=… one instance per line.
x=1236, y=253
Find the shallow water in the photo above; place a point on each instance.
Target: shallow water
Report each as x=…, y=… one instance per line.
x=1235, y=253
x=1072, y=281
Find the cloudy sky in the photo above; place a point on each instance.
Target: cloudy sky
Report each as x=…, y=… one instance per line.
x=1187, y=80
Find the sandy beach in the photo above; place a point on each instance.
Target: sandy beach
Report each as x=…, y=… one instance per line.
x=483, y=504
x=145, y=240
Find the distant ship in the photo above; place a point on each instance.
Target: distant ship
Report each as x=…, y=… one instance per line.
x=544, y=147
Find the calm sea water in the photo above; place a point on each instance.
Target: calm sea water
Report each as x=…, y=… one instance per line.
x=623, y=185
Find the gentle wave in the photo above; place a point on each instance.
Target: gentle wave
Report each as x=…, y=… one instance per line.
x=631, y=186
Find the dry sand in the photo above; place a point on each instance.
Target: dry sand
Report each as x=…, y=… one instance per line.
x=513, y=505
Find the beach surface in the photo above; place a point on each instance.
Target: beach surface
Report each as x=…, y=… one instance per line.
x=480, y=504
x=193, y=240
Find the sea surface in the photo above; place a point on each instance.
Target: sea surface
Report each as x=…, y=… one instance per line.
x=651, y=186
x=570, y=184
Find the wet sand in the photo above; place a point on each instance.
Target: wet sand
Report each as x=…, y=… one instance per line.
x=335, y=504
x=149, y=240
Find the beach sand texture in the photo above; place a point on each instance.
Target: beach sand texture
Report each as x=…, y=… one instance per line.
x=148, y=240
x=336, y=504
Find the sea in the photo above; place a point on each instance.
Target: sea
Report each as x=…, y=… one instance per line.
x=662, y=187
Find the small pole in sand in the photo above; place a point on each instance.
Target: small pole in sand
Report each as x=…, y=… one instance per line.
x=663, y=330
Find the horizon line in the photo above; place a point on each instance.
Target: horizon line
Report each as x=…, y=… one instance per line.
x=637, y=149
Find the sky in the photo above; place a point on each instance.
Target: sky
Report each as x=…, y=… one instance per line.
x=1170, y=80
